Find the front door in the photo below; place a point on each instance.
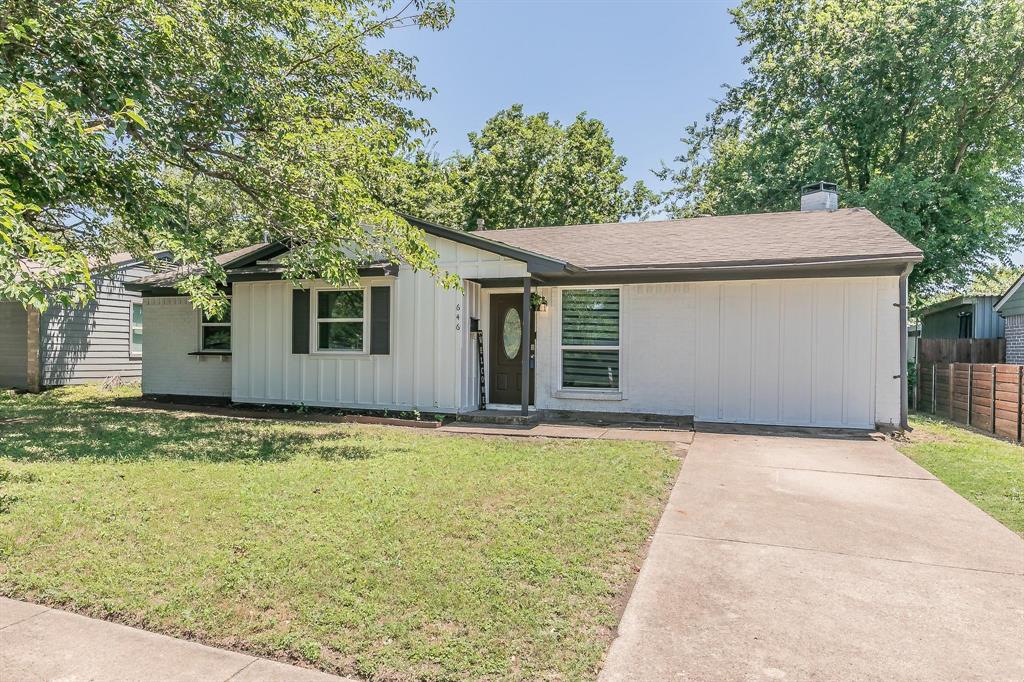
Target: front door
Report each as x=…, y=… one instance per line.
x=506, y=336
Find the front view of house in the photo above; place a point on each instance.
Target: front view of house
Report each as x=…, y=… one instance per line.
x=782, y=318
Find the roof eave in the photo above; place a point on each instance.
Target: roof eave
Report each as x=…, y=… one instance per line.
x=1005, y=298
x=949, y=303
x=276, y=273
x=902, y=258
x=536, y=263
x=268, y=250
x=888, y=266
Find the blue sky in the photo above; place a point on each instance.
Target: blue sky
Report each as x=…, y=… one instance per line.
x=647, y=68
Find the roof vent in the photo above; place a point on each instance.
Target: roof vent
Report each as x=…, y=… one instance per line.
x=820, y=196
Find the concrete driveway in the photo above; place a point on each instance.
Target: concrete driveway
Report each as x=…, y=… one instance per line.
x=794, y=556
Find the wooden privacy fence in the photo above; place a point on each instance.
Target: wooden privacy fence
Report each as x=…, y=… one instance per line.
x=986, y=396
x=944, y=351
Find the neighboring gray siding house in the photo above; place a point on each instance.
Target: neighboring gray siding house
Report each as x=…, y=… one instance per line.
x=794, y=318
x=962, y=317
x=1010, y=307
x=13, y=345
x=67, y=345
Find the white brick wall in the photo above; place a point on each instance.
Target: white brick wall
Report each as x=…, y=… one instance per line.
x=172, y=332
x=1015, y=339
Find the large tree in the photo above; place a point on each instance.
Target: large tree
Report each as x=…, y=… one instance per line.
x=526, y=170
x=144, y=125
x=915, y=107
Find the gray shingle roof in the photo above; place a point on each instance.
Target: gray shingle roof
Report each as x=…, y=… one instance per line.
x=168, y=277
x=753, y=239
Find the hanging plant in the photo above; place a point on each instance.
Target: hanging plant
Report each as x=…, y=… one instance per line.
x=538, y=302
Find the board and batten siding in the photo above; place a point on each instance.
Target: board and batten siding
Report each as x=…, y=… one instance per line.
x=13, y=345
x=988, y=324
x=170, y=334
x=431, y=366
x=793, y=352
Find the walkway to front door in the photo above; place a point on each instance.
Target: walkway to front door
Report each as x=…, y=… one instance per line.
x=799, y=557
x=506, y=352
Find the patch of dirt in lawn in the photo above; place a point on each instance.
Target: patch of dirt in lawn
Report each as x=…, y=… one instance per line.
x=920, y=435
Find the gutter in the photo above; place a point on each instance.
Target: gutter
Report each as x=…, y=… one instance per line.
x=760, y=264
x=890, y=267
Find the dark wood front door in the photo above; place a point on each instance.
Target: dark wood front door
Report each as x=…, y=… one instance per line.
x=506, y=336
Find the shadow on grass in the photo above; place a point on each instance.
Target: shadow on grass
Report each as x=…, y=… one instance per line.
x=49, y=428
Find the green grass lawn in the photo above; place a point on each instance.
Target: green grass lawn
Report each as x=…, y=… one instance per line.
x=987, y=471
x=374, y=551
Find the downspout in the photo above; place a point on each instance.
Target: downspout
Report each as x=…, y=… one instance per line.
x=904, y=384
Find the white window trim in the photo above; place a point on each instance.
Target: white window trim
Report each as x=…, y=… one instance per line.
x=574, y=391
x=315, y=321
x=231, y=338
x=131, y=329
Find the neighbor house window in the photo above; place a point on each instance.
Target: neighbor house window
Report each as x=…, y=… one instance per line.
x=136, y=329
x=966, y=325
x=590, y=338
x=214, y=333
x=340, y=320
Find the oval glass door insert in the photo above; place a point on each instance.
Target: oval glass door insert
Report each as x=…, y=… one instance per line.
x=512, y=333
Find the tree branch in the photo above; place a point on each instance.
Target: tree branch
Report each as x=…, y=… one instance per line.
x=1011, y=82
x=387, y=22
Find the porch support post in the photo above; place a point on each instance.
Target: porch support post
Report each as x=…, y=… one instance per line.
x=526, y=347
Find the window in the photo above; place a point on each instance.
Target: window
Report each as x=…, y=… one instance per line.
x=215, y=334
x=512, y=333
x=590, y=339
x=136, y=329
x=966, y=325
x=340, y=320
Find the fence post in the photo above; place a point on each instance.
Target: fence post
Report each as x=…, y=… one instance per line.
x=917, y=387
x=993, y=398
x=970, y=391
x=933, y=390
x=1020, y=398
x=952, y=412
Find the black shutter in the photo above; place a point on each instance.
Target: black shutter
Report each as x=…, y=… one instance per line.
x=380, y=320
x=300, y=321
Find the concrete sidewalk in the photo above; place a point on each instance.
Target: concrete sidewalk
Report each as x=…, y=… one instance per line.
x=39, y=643
x=801, y=557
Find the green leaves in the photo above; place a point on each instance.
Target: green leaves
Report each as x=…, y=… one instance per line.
x=915, y=107
x=133, y=125
x=525, y=171
x=130, y=112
